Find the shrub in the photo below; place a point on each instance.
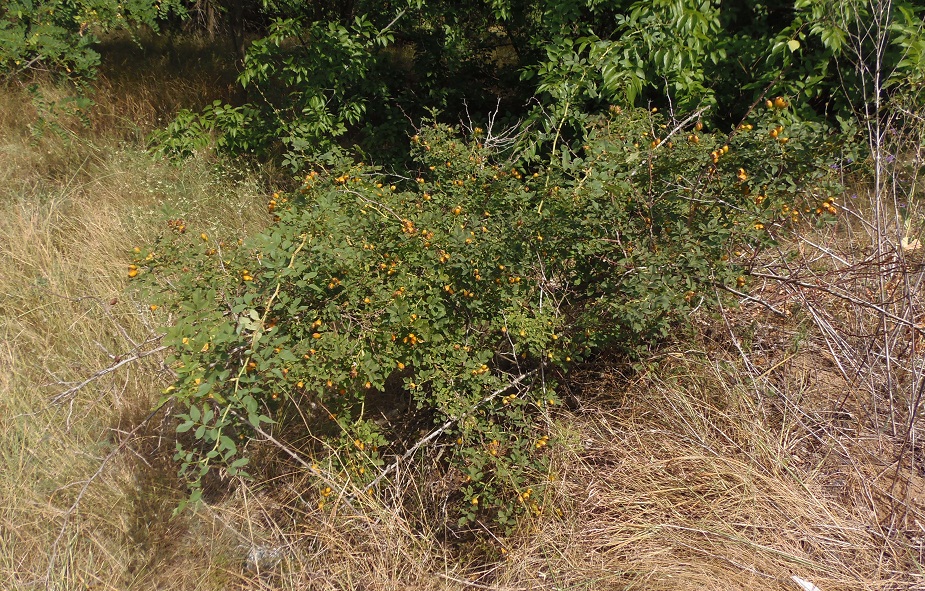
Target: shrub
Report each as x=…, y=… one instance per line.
x=312, y=81
x=58, y=35
x=460, y=292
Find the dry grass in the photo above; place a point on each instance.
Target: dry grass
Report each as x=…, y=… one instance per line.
x=70, y=210
x=679, y=478
x=736, y=461
x=696, y=483
x=140, y=88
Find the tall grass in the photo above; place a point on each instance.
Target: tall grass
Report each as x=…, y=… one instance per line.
x=72, y=204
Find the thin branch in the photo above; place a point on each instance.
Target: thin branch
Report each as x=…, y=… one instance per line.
x=479, y=585
x=400, y=14
x=753, y=299
x=129, y=358
x=695, y=115
x=313, y=469
x=850, y=298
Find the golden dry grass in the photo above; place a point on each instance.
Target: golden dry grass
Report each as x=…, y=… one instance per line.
x=70, y=210
x=679, y=478
x=694, y=483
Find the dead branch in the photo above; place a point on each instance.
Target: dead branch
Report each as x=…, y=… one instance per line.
x=121, y=360
x=844, y=296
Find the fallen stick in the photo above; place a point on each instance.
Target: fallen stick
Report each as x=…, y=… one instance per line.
x=58, y=398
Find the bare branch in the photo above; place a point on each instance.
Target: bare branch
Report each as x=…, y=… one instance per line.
x=122, y=360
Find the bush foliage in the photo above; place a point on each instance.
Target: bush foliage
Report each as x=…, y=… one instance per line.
x=458, y=293
x=361, y=74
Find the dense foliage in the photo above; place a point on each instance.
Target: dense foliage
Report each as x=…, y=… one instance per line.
x=359, y=74
x=58, y=36
x=458, y=296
